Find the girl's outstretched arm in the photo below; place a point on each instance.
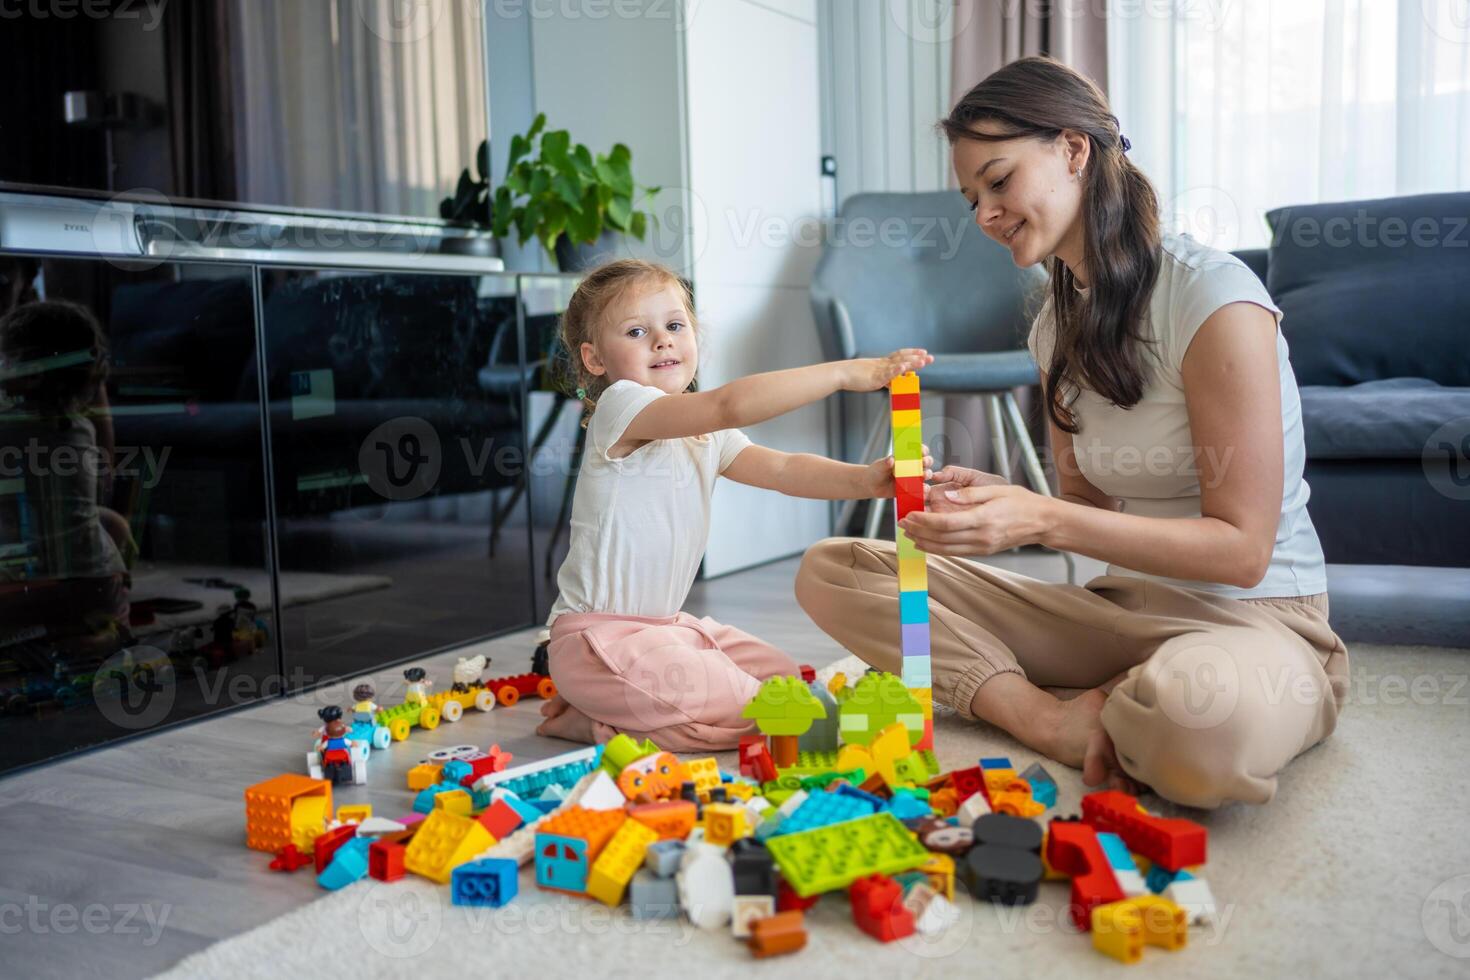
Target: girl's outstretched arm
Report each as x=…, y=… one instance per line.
x=753, y=399
x=817, y=477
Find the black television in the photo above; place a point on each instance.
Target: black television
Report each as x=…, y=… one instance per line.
x=367, y=108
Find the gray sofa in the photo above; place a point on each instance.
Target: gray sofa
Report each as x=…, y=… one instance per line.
x=1376, y=296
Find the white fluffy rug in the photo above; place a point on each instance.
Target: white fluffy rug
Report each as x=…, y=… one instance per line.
x=1360, y=867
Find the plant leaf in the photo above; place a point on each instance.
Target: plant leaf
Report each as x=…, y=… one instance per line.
x=540, y=182
x=503, y=212
x=538, y=124
x=619, y=212
x=569, y=189
x=554, y=145
x=519, y=147
x=638, y=225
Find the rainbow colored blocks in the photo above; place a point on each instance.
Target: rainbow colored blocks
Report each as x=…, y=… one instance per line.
x=913, y=578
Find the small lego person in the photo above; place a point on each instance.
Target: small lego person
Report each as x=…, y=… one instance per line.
x=418, y=685
x=335, y=752
x=364, y=708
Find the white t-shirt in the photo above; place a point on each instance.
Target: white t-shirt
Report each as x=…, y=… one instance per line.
x=640, y=523
x=1145, y=456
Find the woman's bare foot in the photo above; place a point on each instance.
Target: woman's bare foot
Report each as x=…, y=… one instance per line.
x=1070, y=727
x=1101, y=767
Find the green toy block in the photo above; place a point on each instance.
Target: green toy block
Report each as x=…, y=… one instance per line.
x=876, y=701
x=832, y=857
x=784, y=706
x=621, y=750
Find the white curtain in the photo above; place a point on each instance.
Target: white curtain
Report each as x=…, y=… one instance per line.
x=1235, y=107
x=357, y=105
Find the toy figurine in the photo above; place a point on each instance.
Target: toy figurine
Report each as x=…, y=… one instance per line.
x=336, y=754
x=365, y=708
x=467, y=673
x=418, y=685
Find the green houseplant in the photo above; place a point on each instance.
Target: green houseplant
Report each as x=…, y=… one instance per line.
x=561, y=194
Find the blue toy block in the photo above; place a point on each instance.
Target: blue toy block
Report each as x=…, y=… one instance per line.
x=489, y=882
x=455, y=770
x=424, y=801
x=663, y=857
x=906, y=806
x=527, y=812
x=874, y=802
x=1159, y=878
x=996, y=762
x=1043, y=787
x=652, y=897
x=349, y=864
x=821, y=809
x=561, y=862
x=913, y=607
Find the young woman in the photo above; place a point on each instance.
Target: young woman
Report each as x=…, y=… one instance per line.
x=1176, y=431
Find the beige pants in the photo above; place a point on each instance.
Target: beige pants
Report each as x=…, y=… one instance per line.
x=1220, y=693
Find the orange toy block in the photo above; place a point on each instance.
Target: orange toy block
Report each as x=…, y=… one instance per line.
x=268, y=825
x=671, y=820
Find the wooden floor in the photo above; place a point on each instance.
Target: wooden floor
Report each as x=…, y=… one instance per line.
x=120, y=862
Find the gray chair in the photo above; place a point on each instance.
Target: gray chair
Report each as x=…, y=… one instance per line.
x=912, y=270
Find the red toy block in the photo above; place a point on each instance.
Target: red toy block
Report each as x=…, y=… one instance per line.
x=500, y=818
x=787, y=900
x=904, y=402
x=878, y=909
x=756, y=761
x=326, y=845
x=1073, y=849
x=1171, y=843
x=909, y=503
x=968, y=782
x=291, y=858
x=808, y=673
x=385, y=860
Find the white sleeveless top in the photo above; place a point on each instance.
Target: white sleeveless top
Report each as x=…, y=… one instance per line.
x=1146, y=457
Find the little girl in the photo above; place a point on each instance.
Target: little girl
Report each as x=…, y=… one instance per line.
x=622, y=654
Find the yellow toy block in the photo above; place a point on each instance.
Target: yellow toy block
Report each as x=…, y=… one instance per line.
x=1048, y=873
x=1004, y=780
x=622, y=856
x=739, y=791
x=906, y=418
x=706, y=775
x=423, y=775
x=1165, y=924
x=1117, y=930
x=308, y=820
x=270, y=818
x=913, y=575
x=904, y=384
x=455, y=801
x=724, y=823
x=354, y=813
x=940, y=871
x=908, y=467
x=444, y=841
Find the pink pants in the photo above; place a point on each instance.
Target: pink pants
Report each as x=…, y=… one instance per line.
x=675, y=679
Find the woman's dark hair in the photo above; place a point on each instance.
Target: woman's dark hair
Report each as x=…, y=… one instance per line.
x=1098, y=340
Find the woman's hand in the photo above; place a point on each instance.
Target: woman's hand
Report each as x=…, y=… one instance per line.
x=872, y=373
x=979, y=519
x=956, y=478
x=878, y=480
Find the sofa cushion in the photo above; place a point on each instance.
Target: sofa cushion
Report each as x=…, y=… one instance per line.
x=1390, y=419
x=1374, y=289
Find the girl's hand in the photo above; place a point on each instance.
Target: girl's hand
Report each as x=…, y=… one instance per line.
x=872, y=373
x=879, y=477
x=983, y=520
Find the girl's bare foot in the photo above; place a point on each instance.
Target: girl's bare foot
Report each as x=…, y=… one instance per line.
x=565, y=721
x=1101, y=768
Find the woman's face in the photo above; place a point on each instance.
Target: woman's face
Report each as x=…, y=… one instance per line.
x=1023, y=193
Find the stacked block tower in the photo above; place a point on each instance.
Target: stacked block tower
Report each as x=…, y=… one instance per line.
x=913, y=579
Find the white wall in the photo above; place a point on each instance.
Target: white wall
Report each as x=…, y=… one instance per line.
x=754, y=178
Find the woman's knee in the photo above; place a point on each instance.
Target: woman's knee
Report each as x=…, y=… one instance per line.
x=1185, y=724
x=818, y=572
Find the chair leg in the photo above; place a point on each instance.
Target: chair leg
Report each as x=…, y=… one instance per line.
x=997, y=436
x=499, y=514
x=1032, y=465
x=568, y=491
x=870, y=450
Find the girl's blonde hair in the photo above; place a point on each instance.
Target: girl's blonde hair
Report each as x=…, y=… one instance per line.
x=586, y=312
